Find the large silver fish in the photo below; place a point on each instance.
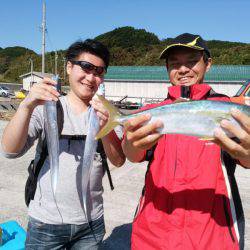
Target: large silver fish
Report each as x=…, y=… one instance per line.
x=195, y=118
x=89, y=153
x=88, y=157
x=52, y=138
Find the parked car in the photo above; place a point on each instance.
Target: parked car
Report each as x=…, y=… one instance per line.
x=243, y=94
x=4, y=91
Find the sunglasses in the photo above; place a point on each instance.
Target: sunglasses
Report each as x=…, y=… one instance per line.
x=90, y=68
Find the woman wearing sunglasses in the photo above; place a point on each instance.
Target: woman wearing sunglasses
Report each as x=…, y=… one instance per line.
x=62, y=224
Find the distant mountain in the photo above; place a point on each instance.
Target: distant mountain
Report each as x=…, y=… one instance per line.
x=224, y=52
x=13, y=61
x=14, y=52
x=130, y=46
x=126, y=37
x=127, y=45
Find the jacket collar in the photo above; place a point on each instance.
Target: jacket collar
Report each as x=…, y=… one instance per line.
x=197, y=92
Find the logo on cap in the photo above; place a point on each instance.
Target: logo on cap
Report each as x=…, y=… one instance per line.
x=193, y=42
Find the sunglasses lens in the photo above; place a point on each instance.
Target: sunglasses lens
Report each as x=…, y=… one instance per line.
x=99, y=70
x=87, y=66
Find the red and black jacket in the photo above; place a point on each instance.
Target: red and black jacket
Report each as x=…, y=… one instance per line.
x=191, y=199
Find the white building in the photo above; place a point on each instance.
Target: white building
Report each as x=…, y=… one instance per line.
x=152, y=91
x=33, y=77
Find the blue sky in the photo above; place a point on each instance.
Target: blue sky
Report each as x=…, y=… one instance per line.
x=70, y=20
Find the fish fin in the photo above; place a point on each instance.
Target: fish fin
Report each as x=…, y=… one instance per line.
x=112, y=122
x=206, y=138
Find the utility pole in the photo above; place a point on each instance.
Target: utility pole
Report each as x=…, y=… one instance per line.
x=56, y=56
x=43, y=38
x=31, y=65
x=31, y=72
x=64, y=70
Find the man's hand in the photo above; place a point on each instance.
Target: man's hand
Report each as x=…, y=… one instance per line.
x=111, y=143
x=16, y=132
x=140, y=136
x=241, y=150
x=100, y=110
x=40, y=93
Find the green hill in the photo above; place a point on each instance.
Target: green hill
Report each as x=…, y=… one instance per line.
x=229, y=53
x=127, y=45
x=127, y=37
x=14, y=52
x=130, y=46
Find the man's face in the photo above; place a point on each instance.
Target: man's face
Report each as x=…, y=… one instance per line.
x=83, y=80
x=186, y=66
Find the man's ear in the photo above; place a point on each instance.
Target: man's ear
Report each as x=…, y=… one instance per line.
x=69, y=67
x=209, y=64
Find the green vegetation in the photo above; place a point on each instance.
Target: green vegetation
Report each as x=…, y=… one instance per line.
x=127, y=37
x=128, y=46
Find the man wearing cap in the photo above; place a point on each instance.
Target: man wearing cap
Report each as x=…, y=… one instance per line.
x=190, y=199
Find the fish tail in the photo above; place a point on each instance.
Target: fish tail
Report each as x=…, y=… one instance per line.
x=112, y=122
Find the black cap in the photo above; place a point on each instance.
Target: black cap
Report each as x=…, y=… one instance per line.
x=186, y=40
